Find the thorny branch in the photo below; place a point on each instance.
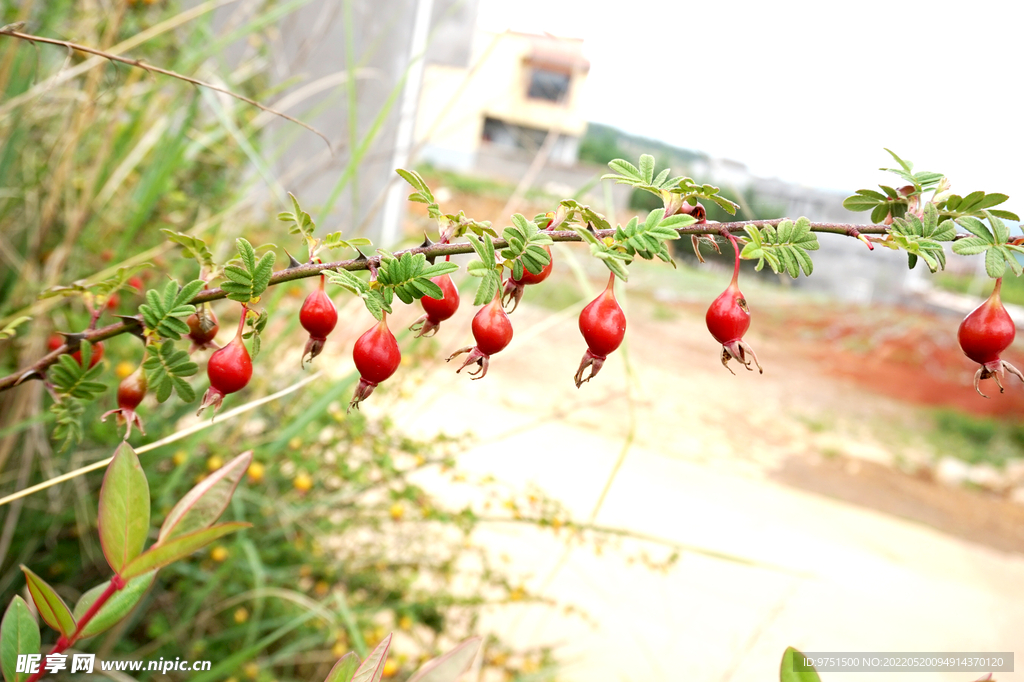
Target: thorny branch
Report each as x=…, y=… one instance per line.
x=12, y=30
x=430, y=251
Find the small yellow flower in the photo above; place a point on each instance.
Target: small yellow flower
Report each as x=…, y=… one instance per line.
x=397, y=511
x=256, y=471
x=405, y=623
x=556, y=523
x=420, y=460
x=339, y=649
x=251, y=670
x=295, y=443
x=123, y=369
x=180, y=457
x=390, y=668
x=302, y=482
x=214, y=463
x=219, y=554
x=517, y=594
x=241, y=615
x=321, y=588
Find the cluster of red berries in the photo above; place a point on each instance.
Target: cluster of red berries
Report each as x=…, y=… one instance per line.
x=983, y=335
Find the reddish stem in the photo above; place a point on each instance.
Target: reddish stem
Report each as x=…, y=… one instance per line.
x=736, y=248
x=241, y=322
x=116, y=583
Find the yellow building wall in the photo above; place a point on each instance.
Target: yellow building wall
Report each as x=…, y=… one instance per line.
x=454, y=101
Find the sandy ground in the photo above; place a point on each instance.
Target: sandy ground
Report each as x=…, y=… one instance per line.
x=832, y=549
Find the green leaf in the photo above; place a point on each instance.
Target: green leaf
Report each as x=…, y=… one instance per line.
x=525, y=237
x=422, y=195
x=165, y=313
x=347, y=280
x=999, y=229
x=647, y=169
x=1011, y=260
x=879, y=213
x=1006, y=215
x=193, y=247
x=995, y=263
x=372, y=668
x=116, y=608
x=166, y=368
x=76, y=379
x=51, y=608
x=977, y=228
x=906, y=165
x=784, y=248
x=451, y=665
x=163, y=553
x=300, y=221
x=626, y=173
x=864, y=200
x=247, y=282
x=343, y=669
x=970, y=246
x=123, y=518
x=203, y=504
x=19, y=635
x=11, y=328
x=787, y=669
x=68, y=415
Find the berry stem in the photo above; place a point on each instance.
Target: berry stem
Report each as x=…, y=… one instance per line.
x=241, y=322
x=736, y=249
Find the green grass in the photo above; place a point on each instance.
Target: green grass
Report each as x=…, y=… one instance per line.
x=977, y=439
x=466, y=184
x=1013, y=287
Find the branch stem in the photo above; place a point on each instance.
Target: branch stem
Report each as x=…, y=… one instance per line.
x=430, y=251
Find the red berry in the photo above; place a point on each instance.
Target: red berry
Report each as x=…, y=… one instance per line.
x=113, y=301
x=229, y=370
x=696, y=210
x=136, y=283
x=984, y=334
x=514, y=288
x=56, y=341
x=318, y=316
x=130, y=393
x=377, y=357
x=437, y=309
x=603, y=325
x=202, y=327
x=728, y=319
x=97, y=355
x=492, y=331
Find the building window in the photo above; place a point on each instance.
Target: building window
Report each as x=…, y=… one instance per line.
x=551, y=86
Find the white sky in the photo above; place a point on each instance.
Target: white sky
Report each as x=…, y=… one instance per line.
x=813, y=90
